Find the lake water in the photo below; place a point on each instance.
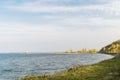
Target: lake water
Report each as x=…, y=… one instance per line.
x=13, y=66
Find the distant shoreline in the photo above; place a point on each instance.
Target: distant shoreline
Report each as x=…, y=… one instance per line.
x=72, y=53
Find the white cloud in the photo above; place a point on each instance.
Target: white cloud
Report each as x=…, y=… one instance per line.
x=81, y=22
x=110, y=8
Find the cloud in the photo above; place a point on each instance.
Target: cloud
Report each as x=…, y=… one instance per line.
x=47, y=6
x=68, y=17
x=78, y=22
x=61, y=24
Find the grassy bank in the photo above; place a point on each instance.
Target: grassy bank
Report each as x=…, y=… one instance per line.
x=105, y=70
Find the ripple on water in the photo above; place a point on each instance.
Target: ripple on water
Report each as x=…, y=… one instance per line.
x=13, y=66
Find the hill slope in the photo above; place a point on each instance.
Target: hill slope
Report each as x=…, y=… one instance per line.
x=111, y=48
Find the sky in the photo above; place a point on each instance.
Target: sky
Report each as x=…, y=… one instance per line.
x=58, y=25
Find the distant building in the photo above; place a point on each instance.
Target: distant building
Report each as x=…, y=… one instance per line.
x=69, y=51
x=84, y=50
x=92, y=51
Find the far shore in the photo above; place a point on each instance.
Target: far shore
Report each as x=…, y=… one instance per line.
x=72, y=53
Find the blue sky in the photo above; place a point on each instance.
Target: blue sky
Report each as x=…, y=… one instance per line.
x=57, y=25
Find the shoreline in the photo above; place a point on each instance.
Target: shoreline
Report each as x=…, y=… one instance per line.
x=105, y=70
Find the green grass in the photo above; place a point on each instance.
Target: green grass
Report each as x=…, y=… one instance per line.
x=105, y=70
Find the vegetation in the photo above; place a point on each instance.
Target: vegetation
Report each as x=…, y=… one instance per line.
x=111, y=48
x=106, y=70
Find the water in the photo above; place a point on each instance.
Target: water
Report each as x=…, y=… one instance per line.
x=13, y=66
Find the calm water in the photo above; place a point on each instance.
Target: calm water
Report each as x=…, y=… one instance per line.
x=13, y=66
